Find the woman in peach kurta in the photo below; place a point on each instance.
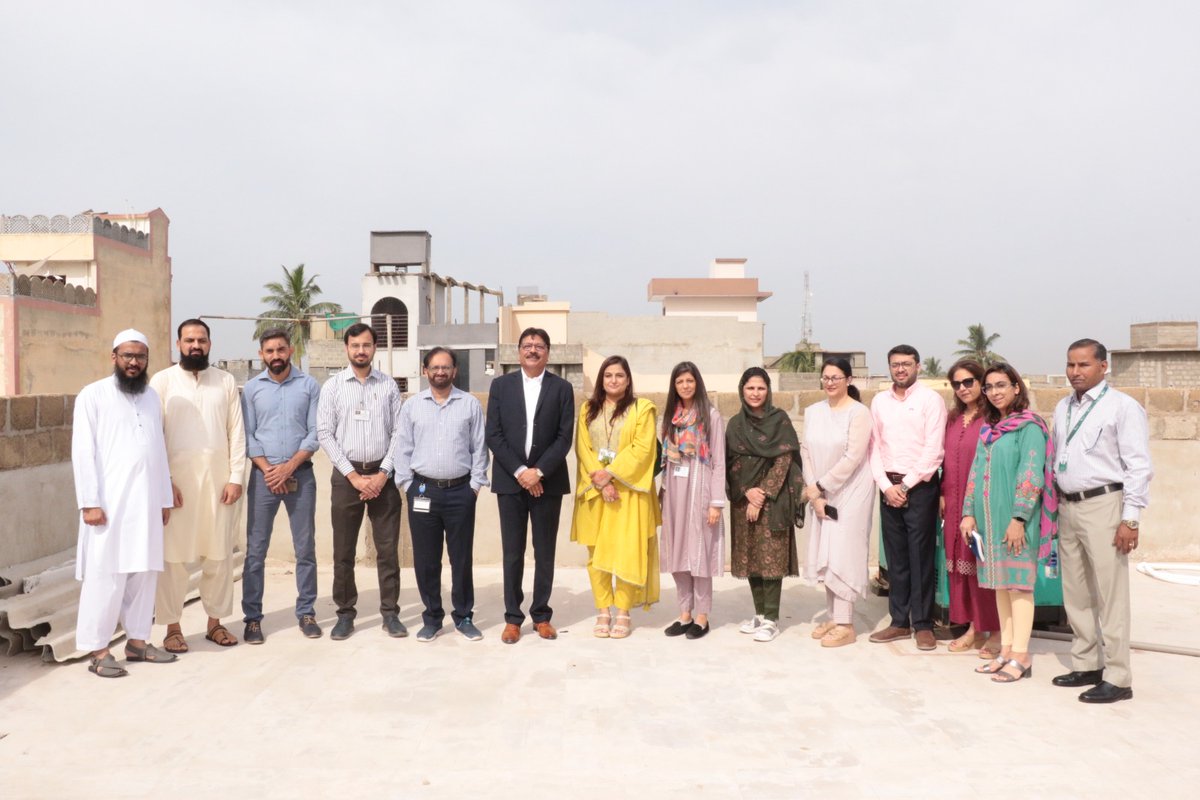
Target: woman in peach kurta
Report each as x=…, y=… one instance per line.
x=837, y=474
x=616, y=510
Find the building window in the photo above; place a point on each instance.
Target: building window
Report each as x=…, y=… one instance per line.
x=393, y=335
x=401, y=384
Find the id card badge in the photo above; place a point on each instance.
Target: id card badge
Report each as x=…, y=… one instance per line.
x=362, y=415
x=681, y=470
x=421, y=503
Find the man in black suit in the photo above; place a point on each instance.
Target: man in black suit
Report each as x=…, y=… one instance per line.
x=530, y=421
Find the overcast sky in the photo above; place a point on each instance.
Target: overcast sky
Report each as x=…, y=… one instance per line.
x=1031, y=166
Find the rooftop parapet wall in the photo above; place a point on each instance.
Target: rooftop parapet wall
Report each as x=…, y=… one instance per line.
x=46, y=288
x=80, y=223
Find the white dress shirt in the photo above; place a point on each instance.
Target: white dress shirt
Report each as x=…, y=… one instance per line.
x=1111, y=446
x=533, y=390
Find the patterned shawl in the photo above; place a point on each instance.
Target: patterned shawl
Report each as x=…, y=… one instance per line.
x=690, y=439
x=990, y=433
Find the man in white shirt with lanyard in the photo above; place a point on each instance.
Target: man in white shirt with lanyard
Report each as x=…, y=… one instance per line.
x=1102, y=470
x=358, y=419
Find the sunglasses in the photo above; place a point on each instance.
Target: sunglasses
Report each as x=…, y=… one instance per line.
x=967, y=382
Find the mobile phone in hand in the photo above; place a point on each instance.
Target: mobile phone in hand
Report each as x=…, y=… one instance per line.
x=831, y=512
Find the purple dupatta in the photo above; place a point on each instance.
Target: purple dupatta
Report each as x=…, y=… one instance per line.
x=990, y=433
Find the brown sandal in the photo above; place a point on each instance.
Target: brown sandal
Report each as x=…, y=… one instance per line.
x=219, y=635
x=175, y=643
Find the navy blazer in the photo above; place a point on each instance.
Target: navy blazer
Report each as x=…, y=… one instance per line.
x=553, y=429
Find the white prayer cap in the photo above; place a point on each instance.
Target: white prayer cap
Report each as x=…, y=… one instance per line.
x=130, y=335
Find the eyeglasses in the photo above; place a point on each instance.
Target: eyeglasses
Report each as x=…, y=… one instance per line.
x=996, y=387
x=134, y=358
x=902, y=364
x=966, y=383
x=439, y=369
x=832, y=378
x=534, y=348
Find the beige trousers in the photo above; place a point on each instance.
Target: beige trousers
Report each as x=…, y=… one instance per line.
x=216, y=590
x=1095, y=579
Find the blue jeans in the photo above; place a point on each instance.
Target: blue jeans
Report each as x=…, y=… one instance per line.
x=261, y=506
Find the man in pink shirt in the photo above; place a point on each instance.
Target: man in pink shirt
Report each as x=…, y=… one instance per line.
x=906, y=451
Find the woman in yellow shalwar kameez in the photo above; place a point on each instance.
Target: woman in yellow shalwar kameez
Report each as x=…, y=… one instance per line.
x=616, y=508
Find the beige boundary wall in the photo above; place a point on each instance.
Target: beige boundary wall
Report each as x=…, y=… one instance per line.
x=39, y=519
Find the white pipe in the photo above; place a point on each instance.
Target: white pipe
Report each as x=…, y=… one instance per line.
x=1163, y=572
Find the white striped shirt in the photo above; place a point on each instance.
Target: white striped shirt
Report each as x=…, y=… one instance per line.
x=358, y=420
x=442, y=441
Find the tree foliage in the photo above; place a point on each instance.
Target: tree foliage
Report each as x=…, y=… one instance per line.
x=293, y=298
x=802, y=359
x=978, y=345
x=933, y=367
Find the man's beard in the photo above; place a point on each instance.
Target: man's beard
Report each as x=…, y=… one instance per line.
x=128, y=385
x=194, y=363
x=280, y=368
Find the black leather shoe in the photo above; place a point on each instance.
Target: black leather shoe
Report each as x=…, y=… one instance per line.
x=343, y=629
x=253, y=633
x=696, y=632
x=394, y=627
x=678, y=628
x=1088, y=677
x=1105, y=692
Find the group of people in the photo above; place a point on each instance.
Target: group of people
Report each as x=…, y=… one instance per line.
x=159, y=466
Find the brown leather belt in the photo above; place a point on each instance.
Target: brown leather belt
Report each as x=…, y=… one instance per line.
x=1087, y=494
x=365, y=467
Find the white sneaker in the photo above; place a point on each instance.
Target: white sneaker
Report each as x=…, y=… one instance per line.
x=751, y=625
x=767, y=631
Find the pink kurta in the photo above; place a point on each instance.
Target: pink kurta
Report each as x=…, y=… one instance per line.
x=688, y=543
x=968, y=602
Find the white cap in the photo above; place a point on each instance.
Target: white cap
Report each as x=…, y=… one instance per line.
x=129, y=335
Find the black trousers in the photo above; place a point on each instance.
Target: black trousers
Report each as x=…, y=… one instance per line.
x=518, y=512
x=910, y=544
x=451, y=517
x=347, y=514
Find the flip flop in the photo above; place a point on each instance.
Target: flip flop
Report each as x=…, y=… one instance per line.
x=150, y=655
x=106, y=667
x=219, y=635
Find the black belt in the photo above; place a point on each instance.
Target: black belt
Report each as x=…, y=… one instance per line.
x=303, y=466
x=1087, y=494
x=365, y=467
x=448, y=483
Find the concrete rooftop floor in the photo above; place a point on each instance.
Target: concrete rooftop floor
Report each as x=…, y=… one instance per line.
x=722, y=717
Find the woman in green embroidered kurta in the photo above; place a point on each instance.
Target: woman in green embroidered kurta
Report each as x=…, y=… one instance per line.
x=1004, y=503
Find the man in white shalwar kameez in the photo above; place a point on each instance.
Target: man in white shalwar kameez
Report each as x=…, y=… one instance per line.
x=206, y=448
x=123, y=489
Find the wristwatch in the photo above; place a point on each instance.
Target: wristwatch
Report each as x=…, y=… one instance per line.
x=1132, y=524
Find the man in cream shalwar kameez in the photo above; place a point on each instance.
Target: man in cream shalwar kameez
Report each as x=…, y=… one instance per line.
x=206, y=448
x=123, y=491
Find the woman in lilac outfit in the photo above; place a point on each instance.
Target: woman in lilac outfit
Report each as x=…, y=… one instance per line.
x=692, y=543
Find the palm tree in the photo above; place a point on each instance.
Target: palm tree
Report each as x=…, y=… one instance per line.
x=293, y=299
x=978, y=345
x=933, y=367
x=802, y=359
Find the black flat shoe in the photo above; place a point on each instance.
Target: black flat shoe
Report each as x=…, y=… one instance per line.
x=1088, y=677
x=696, y=632
x=1105, y=692
x=678, y=628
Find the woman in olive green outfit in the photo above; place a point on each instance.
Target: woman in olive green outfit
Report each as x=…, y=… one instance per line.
x=766, y=493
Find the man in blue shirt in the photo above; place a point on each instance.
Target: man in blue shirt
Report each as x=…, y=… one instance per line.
x=280, y=410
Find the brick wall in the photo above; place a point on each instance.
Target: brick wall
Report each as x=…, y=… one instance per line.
x=35, y=430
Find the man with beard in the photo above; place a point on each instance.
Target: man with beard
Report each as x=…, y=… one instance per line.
x=123, y=490
x=906, y=451
x=206, y=447
x=530, y=422
x=357, y=426
x=441, y=464
x=279, y=406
